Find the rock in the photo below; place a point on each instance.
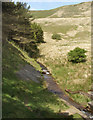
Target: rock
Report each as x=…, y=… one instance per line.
x=45, y=72
x=91, y=105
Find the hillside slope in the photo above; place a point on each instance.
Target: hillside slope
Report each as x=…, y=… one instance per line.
x=23, y=98
x=24, y=94
x=77, y=10
x=74, y=32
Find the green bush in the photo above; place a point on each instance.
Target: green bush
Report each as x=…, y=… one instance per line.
x=56, y=36
x=37, y=33
x=77, y=55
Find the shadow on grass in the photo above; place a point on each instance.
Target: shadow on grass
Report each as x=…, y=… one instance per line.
x=22, y=99
x=19, y=102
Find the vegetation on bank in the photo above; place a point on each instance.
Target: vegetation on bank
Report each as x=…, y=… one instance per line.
x=69, y=76
x=25, y=99
x=19, y=29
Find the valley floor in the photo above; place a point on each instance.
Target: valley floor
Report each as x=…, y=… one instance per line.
x=75, y=32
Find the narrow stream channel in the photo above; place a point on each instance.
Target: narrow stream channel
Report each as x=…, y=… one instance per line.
x=54, y=88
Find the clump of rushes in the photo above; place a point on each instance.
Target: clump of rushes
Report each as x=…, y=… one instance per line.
x=56, y=36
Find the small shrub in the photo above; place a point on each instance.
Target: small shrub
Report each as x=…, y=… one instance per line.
x=37, y=33
x=56, y=36
x=77, y=55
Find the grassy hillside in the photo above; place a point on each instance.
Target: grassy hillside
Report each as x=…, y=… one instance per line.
x=28, y=99
x=43, y=13
x=77, y=10
x=75, y=32
x=25, y=99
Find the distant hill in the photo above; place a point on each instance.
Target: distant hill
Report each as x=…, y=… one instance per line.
x=77, y=10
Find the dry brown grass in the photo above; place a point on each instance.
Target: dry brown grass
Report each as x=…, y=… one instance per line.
x=54, y=53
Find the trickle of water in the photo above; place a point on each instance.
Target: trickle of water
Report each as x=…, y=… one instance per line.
x=89, y=114
x=46, y=76
x=54, y=89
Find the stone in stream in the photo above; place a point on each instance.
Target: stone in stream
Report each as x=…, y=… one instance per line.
x=45, y=72
x=91, y=105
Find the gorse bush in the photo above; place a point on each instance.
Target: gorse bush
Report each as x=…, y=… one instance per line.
x=56, y=36
x=77, y=55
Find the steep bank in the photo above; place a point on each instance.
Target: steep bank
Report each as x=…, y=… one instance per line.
x=25, y=98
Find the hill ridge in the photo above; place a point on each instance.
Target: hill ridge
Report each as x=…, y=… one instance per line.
x=76, y=10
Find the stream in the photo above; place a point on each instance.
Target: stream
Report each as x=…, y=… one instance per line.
x=53, y=87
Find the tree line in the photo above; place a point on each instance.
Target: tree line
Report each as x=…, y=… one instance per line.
x=17, y=26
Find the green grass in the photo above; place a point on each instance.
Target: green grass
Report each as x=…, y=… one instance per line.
x=69, y=76
x=80, y=99
x=24, y=56
x=17, y=94
x=43, y=13
x=58, y=28
x=77, y=116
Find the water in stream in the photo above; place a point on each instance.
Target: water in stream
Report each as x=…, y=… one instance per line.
x=54, y=88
